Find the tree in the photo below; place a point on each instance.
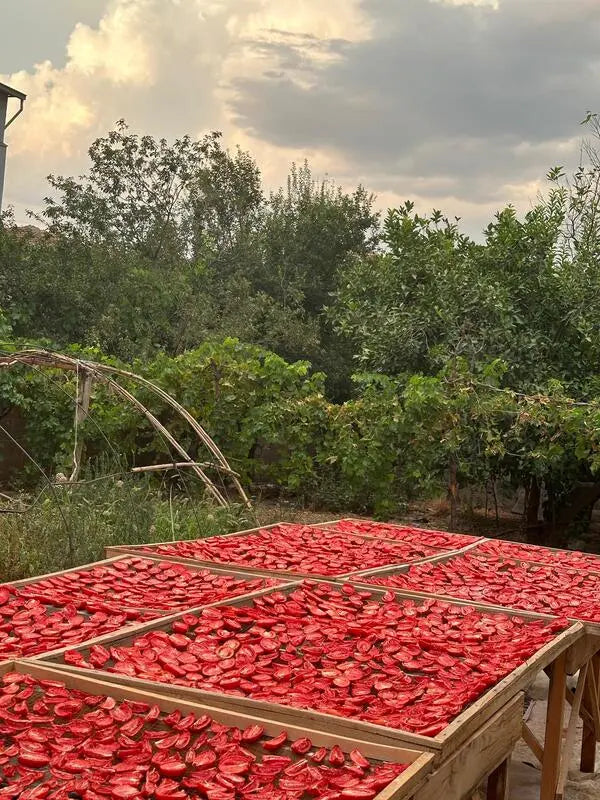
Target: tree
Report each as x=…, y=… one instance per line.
x=135, y=196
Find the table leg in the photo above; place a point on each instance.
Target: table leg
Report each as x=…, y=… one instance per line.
x=590, y=734
x=554, y=728
x=498, y=785
x=588, y=750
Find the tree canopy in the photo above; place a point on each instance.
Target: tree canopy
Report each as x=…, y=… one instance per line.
x=444, y=358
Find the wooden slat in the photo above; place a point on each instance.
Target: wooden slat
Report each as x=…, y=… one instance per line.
x=95, y=686
x=583, y=712
x=37, y=578
x=485, y=750
x=571, y=730
x=554, y=725
x=452, y=737
x=532, y=742
x=115, y=550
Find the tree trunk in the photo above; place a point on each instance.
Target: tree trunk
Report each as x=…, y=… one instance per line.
x=453, y=491
x=533, y=529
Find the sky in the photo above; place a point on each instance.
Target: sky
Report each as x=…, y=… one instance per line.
x=459, y=105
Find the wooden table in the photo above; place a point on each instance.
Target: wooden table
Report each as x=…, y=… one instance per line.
x=402, y=788
x=454, y=735
x=579, y=654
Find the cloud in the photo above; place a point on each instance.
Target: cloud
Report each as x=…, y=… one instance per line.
x=460, y=104
x=157, y=63
x=474, y=98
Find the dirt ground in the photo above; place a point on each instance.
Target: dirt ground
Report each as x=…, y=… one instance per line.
x=428, y=514
x=434, y=513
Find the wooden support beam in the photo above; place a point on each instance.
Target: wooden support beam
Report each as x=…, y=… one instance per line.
x=590, y=733
x=571, y=731
x=583, y=711
x=554, y=729
x=498, y=782
x=532, y=742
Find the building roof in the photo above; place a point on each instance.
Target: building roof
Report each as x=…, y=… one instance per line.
x=6, y=90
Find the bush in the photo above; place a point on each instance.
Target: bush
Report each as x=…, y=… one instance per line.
x=69, y=526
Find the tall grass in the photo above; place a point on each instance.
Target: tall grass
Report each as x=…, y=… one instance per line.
x=68, y=526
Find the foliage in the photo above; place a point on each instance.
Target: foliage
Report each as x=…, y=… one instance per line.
x=69, y=527
x=161, y=246
x=478, y=360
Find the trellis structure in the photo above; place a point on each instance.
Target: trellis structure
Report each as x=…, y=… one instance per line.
x=88, y=372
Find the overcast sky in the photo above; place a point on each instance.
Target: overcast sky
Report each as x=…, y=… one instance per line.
x=461, y=105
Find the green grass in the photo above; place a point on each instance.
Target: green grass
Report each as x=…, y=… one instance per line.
x=69, y=526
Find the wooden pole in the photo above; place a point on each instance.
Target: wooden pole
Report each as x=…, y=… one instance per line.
x=498, y=783
x=84, y=392
x=590, y=733
x=554, y=728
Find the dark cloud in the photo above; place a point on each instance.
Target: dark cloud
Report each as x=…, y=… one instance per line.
x=468, y=97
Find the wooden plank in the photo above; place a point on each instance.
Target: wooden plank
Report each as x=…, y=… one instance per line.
x=583, y=712
x=360, y=580
x=498, y=786
x=452, y=737
x=192, y=565
x=532, y=742
x=138, y=547
x=93, y=565
x=400, y=789
x=590, y=731
x=554, y=726
x=571, y=730
x=420, y=764
x=285, y=715
x=484, y=752
x=115, y=550
x=582, y=651
x=457, y=601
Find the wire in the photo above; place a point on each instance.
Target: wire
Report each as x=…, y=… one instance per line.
x=48, y=481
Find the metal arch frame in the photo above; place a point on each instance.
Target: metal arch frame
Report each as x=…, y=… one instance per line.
x=104, y=373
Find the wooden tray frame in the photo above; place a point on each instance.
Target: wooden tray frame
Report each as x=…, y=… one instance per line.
x=452, y=737
x=593, y=556
x=331, y=523
x=193, y=566
x=361, y=579
x=137, y=549
x=402, y=788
